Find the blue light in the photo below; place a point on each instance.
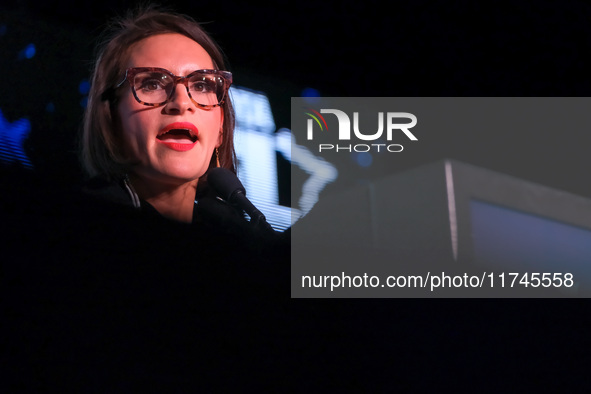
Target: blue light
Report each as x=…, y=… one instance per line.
x=27, y=53
x=12, y=138
x=311, y=95
x=30, y=51
x=3, y=29
x=50, y=107
x=310, y=92
x=84, y=86
x=364, y=159
x=84, y=102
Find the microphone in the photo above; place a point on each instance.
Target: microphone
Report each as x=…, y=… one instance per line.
x=229, y=188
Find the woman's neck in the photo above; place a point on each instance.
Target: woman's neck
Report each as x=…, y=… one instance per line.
x=171, y=201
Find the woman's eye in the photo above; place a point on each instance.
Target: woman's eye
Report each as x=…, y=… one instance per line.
x=202, y=87
x=151, y=84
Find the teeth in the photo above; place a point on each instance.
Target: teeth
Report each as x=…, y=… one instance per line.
x=180, y=132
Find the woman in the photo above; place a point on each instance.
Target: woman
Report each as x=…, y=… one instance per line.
x=115, y=299
x=158, y=114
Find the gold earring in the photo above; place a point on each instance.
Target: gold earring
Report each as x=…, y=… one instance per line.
x=217, y=158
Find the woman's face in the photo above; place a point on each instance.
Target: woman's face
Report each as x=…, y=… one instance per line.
x=176, y=157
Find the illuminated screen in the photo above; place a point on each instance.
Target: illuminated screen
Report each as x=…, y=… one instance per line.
x=509, y=238
x=256, y=148
x=12, y=137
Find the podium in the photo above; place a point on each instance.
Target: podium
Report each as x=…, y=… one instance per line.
x=447, y=216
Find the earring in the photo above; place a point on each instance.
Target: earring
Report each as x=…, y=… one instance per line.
x=217, y=158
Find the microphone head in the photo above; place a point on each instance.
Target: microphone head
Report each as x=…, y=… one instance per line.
x=225, y=183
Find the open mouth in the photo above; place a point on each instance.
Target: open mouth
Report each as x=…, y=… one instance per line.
x=179, y=136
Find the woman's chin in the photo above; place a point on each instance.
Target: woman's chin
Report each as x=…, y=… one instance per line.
x=172, y=176
x=180, y=177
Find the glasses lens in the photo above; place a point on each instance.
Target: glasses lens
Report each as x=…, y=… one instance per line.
x=155, y=87
x=206, y=89
x=152, y=87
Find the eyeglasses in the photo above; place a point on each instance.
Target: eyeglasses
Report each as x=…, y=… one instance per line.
x=155, y=86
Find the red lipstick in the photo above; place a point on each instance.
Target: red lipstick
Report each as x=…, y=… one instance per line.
x=180, y=147
x=179, y=136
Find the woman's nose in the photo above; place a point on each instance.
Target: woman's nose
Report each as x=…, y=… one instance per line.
x=180, y=100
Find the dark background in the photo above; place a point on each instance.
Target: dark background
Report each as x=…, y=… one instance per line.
x=363, y=48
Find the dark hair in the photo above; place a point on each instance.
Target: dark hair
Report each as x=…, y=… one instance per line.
x=101, y=154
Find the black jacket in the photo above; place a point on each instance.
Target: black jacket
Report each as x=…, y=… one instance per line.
x=100, y=295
